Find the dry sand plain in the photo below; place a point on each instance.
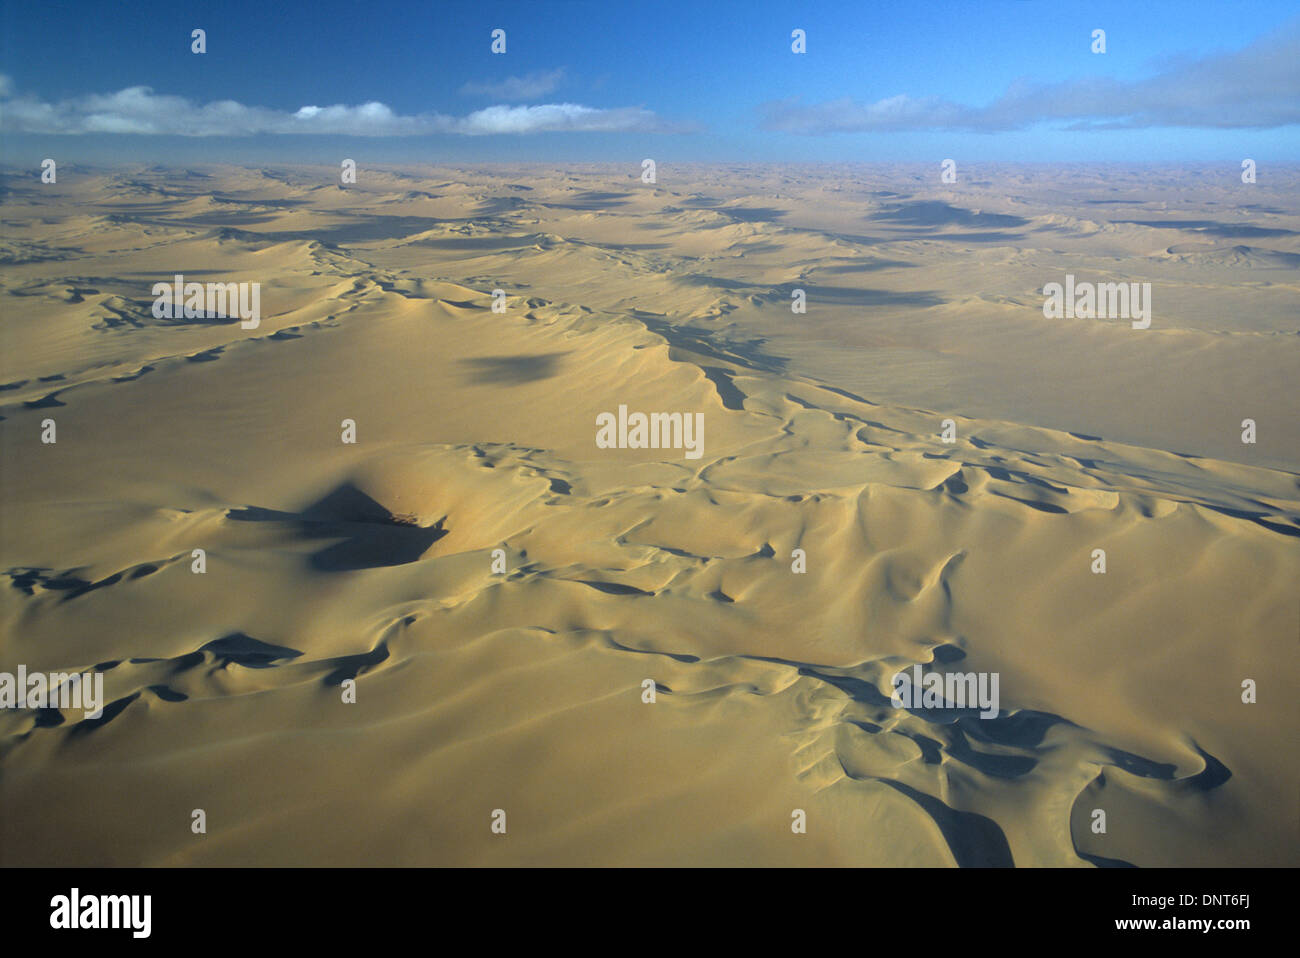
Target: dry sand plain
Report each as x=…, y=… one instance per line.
x=522, y=690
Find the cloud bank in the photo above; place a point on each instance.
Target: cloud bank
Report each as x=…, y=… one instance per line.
x=140, y=110
x=528, y=87
x=1255, y=87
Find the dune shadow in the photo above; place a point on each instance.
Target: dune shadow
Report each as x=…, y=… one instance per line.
x=110, y=711
x=1212, y=776
x=241, y=649
x=591, y=201
x=1256, y=517
x=500, y=204
x=350, y=666
x=372, y=537
x=750, y=214
x=613, y=588
x=466, y=243
x=867, y=266
x=933, y=214
x=139, y=313
x=1023, y=729
x=857, y=296
x=747, y=353
x=367, y=230
x=226, y=218
x=974, y=840
x=713, y=282
x=1214, y=228
x=732, y=398
x=512, y=370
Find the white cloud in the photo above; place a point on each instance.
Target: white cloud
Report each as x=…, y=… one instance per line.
x=140, y=110
x=1255, y=87
x=528, y=87
x=550, y=117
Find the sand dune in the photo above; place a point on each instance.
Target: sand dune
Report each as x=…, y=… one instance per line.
x=521, y=689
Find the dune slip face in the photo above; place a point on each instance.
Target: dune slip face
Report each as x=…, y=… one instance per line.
x=529, y=524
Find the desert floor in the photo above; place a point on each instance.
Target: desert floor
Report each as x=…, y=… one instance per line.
x=521, y=690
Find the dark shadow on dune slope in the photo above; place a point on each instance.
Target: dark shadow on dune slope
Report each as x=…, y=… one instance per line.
x=216, y=218
x=975, y=841
x=994, y=764
x=363, y=229
x=737, y=214
x=857, y=689
x=1212, y=776
x=732, y=398
x=685, y=657
x=47, y=717
x=27, y=578
x=350, y=666
x=46, y=402
x=856, y=296
x=1137, y=765
x=370, y=229
x=955, y=483
x=474, y=243
x=280, y=204
x=750, y=214
x=1265, y=257
x=495, y=205
x=247, y=651
x=372, y=537
x=375, y=547
x=985, y=237
x=1214, y=228
x=933, y=214
x=590, y=201
x=1023, y=729
x=746, y=353
x=1038, y=504
x=111, y=711
x=714, y=282
x=1256, y=517
x=1102, y=862
x=847, y=395
x=816, y=292
x=512, y=370
x=866, y=266
x=139, y=312
x=613, y=588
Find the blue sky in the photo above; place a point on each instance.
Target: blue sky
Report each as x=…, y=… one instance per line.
x=688, y=81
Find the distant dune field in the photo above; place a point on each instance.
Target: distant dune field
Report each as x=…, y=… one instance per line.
x=918, y=469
